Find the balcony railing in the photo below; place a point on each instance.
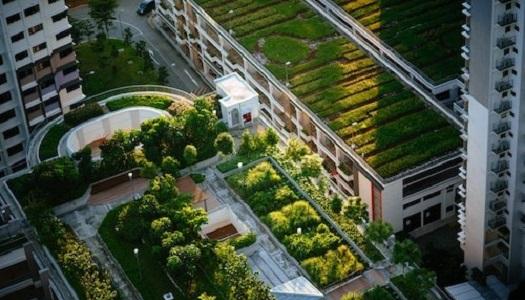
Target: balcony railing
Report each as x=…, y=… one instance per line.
x=501, y=147
x=501, y=128
x=507, y=19
x=504, y=106
x=505, y=42
x=497, y=222
x=505, y=64
x=503, y=85
x=499, y=186
x=497, y=205
x=500, y=166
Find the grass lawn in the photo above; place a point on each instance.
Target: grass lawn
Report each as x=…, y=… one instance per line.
x=154, y=282
x=151, y=101
x=341, y=83
x=112, y=68
x=231, y=163
x=48, y=147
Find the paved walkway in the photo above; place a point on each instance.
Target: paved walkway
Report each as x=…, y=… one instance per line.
x=120, y=192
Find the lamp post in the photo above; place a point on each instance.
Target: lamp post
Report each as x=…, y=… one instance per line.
x=136, y=253
x=354, y=124
x=286, y=72
x=130, y=176
x=230, y=14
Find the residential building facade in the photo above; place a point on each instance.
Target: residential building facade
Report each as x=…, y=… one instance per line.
x=416, y=201
x=493, y=214
x=39, y=77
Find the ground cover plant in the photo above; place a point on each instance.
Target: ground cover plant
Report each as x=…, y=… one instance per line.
x=296, y=224
x=426, y=33
x=103, y=67
x=49, y=146
x=339, y=82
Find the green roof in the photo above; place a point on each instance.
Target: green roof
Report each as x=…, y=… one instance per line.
x=426, y=33
x=395, y=131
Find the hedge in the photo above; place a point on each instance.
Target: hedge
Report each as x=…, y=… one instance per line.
x=82, y=114
x=159, y=102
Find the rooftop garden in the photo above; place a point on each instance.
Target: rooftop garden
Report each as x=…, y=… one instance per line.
x=426, y=33
x=339, y=82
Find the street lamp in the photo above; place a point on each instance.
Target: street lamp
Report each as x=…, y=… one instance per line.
x=130, y=176
x=136, y=253
x=286, y=71
x=230, y=14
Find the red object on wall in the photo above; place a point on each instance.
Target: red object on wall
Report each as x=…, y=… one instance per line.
x=247, y=117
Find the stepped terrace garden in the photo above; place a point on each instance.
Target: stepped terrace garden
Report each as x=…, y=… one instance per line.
x=339, y=82
x=426, y=33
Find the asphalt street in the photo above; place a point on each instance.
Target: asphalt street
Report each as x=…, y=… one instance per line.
x=181, y=75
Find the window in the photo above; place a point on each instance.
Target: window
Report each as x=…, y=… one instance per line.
x=1, y=60
x=11, y=133
x=15, y=149
x=7, y=1
x=3, y=78
x=39, y=47
x=5, y=97
x=12, y=19
x=411, y=203
x=52, y=1
x=450, y=208
x=42, y=65
x=31, y=10
x=65, y=52
x=17, y=37
x=6, y=116
x=21, y=55
x=72, y=87
x=63, y=34
x=59, y=16
x=430, y=196
x=69, y=70
x=35, y=29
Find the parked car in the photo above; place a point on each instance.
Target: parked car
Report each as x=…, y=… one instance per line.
x=145, y=7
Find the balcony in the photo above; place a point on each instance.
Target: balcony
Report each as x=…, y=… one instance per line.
x=27, y=82
x=466, y=9
x=497, y=205
x=499, y=186
x=466, y=31
x=501, y=147
x=57, y=62
x=502, y=127
x=503, y=107
x=507, y=19
x=43, y=72
x=32, y=98
x=497, y=222
x=463, y=173
x=505, y=63
x=503, y=85
x=505, y=42
x=500, y=167
x=465, y=52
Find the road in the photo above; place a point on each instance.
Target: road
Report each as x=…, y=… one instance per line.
x=181, y=75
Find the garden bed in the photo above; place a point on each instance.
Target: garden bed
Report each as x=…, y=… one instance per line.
x=159, y=102
x=340, y=83
x=49, y=146
x=304, y=233
x=426, y=33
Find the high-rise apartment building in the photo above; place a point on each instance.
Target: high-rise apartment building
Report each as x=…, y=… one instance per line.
x=39, y=77
x=493, y=215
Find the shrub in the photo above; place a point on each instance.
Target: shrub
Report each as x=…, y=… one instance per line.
x=178, y=108
x=224, y=143
x=198, y=178
x=82, y=114
x=335, y=265
x=244, y=240
x=170, y=166
x=159, y=102
x=299, y=214
x=302, y=246
x=130, y=224
x=149, y=170
x=379, y=231
x=261, y=177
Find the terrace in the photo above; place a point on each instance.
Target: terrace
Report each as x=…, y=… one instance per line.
x=385, y=123
x=426, y=33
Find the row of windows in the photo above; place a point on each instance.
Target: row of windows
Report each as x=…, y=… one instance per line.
x=31, y=11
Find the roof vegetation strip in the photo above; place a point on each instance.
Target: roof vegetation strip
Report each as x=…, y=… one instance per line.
x=339, y=82
x=426, y=33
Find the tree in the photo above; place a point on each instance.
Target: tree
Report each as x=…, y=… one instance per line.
x=149, y=169
x=128, y=36
x=336, y=204
x=163, y=75
x=247, y=143
x=184, y=259
x=311, y=165
x=236, y=278
x=102, y=12
x=224, y=143
x=118, y=152
x=296, y=149
x=80, y=29
x=378, y=293
x=205, y=296
x=164, y=188
x=272, y=138
x=353, y=296
x=190, y=155
x=356, y=209
x=415, y=284
x=200, y=127
x=406, y=253
x=170, y=166
x=379, y=231
x=85, y=164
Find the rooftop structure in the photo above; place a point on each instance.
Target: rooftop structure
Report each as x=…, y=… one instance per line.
x=297, y=289
x=239, y=100
x=373, y=133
